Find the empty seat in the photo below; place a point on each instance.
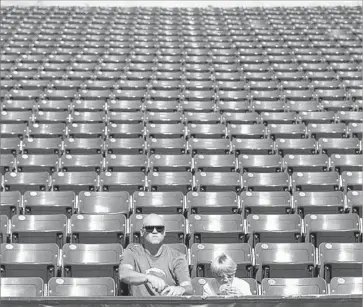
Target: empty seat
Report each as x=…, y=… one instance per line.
x=122, y=181
x=10, y=146
x=209, y=146
x=349, y=116
x=170, y=181
x=295, y=146
x=355, y=130
x=273, y=228
x=202, y=118
x=253, y=146
x=354, y=202
x=266, y=181
x=270, y=118
x=317, y=117
x=125, y=117
x=124, y=105
x=297, y=287
x=217, y=163
x=126, y=131
x=342, y=163
x=102, y=260
x=318, y=131
x=13, y=130
x=4, y=229
x=158, y=202
x=98, y=228
x=165, y=130
x=87, y=117
x=266, y=202
x=285, y=260
x=21, y=287
x=162, y=117
x=75, y=181
x=29, y=260
x=175, y=228
x=86, y=130
x=198, y=283
x=233, y=106
x=125, y=146
x=260, y=163
x=43, y=117
x=9, y=203
x=289, y=131
x=49, y=130
x=35, y=146
x=240, y=118
x=161, y=106
x=207, y=131
x=171, y=163
x=346, y=285
x=203, y=254
x=7, y=163
x=166, y=146
x=126, y=163
x=217, y=181
x=26, y=181
x=37, y=163
x=339, y=146
x=245, y=131
x=340, y=260
x=39, y=229
x=225, y=228
x=16, y=117
x=83, y=146
x=306, y=163
x=48, y=105
x=315, y=181
x=352, y=180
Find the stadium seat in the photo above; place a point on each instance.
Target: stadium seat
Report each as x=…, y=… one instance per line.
x=217, y=163
x=165, y=130
x=225, y=228
x=349, y=117
x=289, y=131
x=295, y=146
x=158, y=202
x=21, y=287
x=16, y=117
x=340, y=260
x=125, y=117
x=123, y=105
x=203, y=254
x=163, y=117
x=273, y=228
x=170, y=181
x=164, y=146
x=83, y=146
x=86, y=287
x=13, y=130
x=51, y=105
x=339, y=146
x=240, y=118
x=39, y=229
x=45, y=117
x=217, y=181
x=318, y=131
x=4, y=229
x=122, y=181
x=98, y=228
x=49, y=130
x=284, y=260
x=209, y=118
x=87, y=117
x=317, y=117
x=35, y=146
x=319, y=202
x=29, y=260
x=315, y=181
x=7, y=163
x=298, y=287
x=209, y=146
x=126, y=163
x=246, y=131
x=125, y=146
x=230, y=106
x=199, y=282
x=260, y=163
x=354, y=202
x=343, y=163
x=306, y=163
x=10, y=203
x=266, y=181
x=171, y=163
x=91, y=260
x=37, y=163
x=332, y=228
x=355, y=130
x=86, y=130
x=26, y=181
x=352, y=180
x=346, y=285
x=10, y=146
x=161, y=106
x=75, y=181
x=175, y=228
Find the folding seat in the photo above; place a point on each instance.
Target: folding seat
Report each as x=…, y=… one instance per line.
x=39, y=229
x=161, y=106
x=125, y=117
x=246, y=131
x=7, y=163
x=215, y=163
x=217, y=181
x=210, y=118
x=175, y=228
x=24, y=181
x=346, y=285
x=170, y=181
x=266, y=181
x=285, y=287
x=203, y=254
x=315, y=181
x=327, y=130
x=88, y=105
x=269, y=118
x=48, y=130
x=86, y=130
x=25, y=94
x=87, y=117
x=327, y=117
x=13, y=130
x=284, y=260
x=126, y=131
x=349, y=117
x=29, y=260
x=340, y=260
x=171, y=163
x=50, y=117
x=354, y=202
x=306, y=163
x=122, y=181
x=226, y=76
x=289, y=75
x=165, y=130
x=260, y=163
x=253, y=146
x=326, y=85
x=53, y=106
x=46, y=146
x=166, y=84
x=206, y=131
x=352, y=84
x=80, y=163
x=98, y=228
x=268, y=106
x=195, y=95
x=232, y=95
x=75, y=181
x=16, y=117
x=333, y=228
x=137, y=75
x=289, y=131
x=62, y=84
x=355, y=130
x=164, y=117
x=295, y=85
x=352, y=180
x=102, y=260
x=54, y=94
x=225, y=228
x=267, y=85
x=226, y=88
x=166, y=145
x=346, y=162
x=295, y=146
x=233, y=106
x=240, y=118
x=37, y=163
x=21, y=287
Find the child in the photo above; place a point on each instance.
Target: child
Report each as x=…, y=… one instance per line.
x=225, y=283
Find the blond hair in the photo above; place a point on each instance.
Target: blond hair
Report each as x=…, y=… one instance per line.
x=223, y=264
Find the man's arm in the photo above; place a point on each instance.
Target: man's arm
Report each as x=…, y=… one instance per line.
x=181, y=271
x=131, y=277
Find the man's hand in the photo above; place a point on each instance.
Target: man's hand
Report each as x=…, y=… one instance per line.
x=173, y=291
x=157, y=283
x=229, y=290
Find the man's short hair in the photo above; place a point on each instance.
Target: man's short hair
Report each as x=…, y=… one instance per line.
x=223, y=264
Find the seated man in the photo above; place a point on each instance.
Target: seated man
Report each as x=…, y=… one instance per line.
x=225, y=283
x=153, y=269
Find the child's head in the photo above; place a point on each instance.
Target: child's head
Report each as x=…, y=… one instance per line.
x=223, y=268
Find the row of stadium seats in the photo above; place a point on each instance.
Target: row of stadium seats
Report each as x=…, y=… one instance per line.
x=265, y=260
x=198, y=228
x=105, y=286
x=183, y=181
x=218, y=203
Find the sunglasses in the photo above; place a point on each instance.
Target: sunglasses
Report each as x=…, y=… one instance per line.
x=150, y=229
